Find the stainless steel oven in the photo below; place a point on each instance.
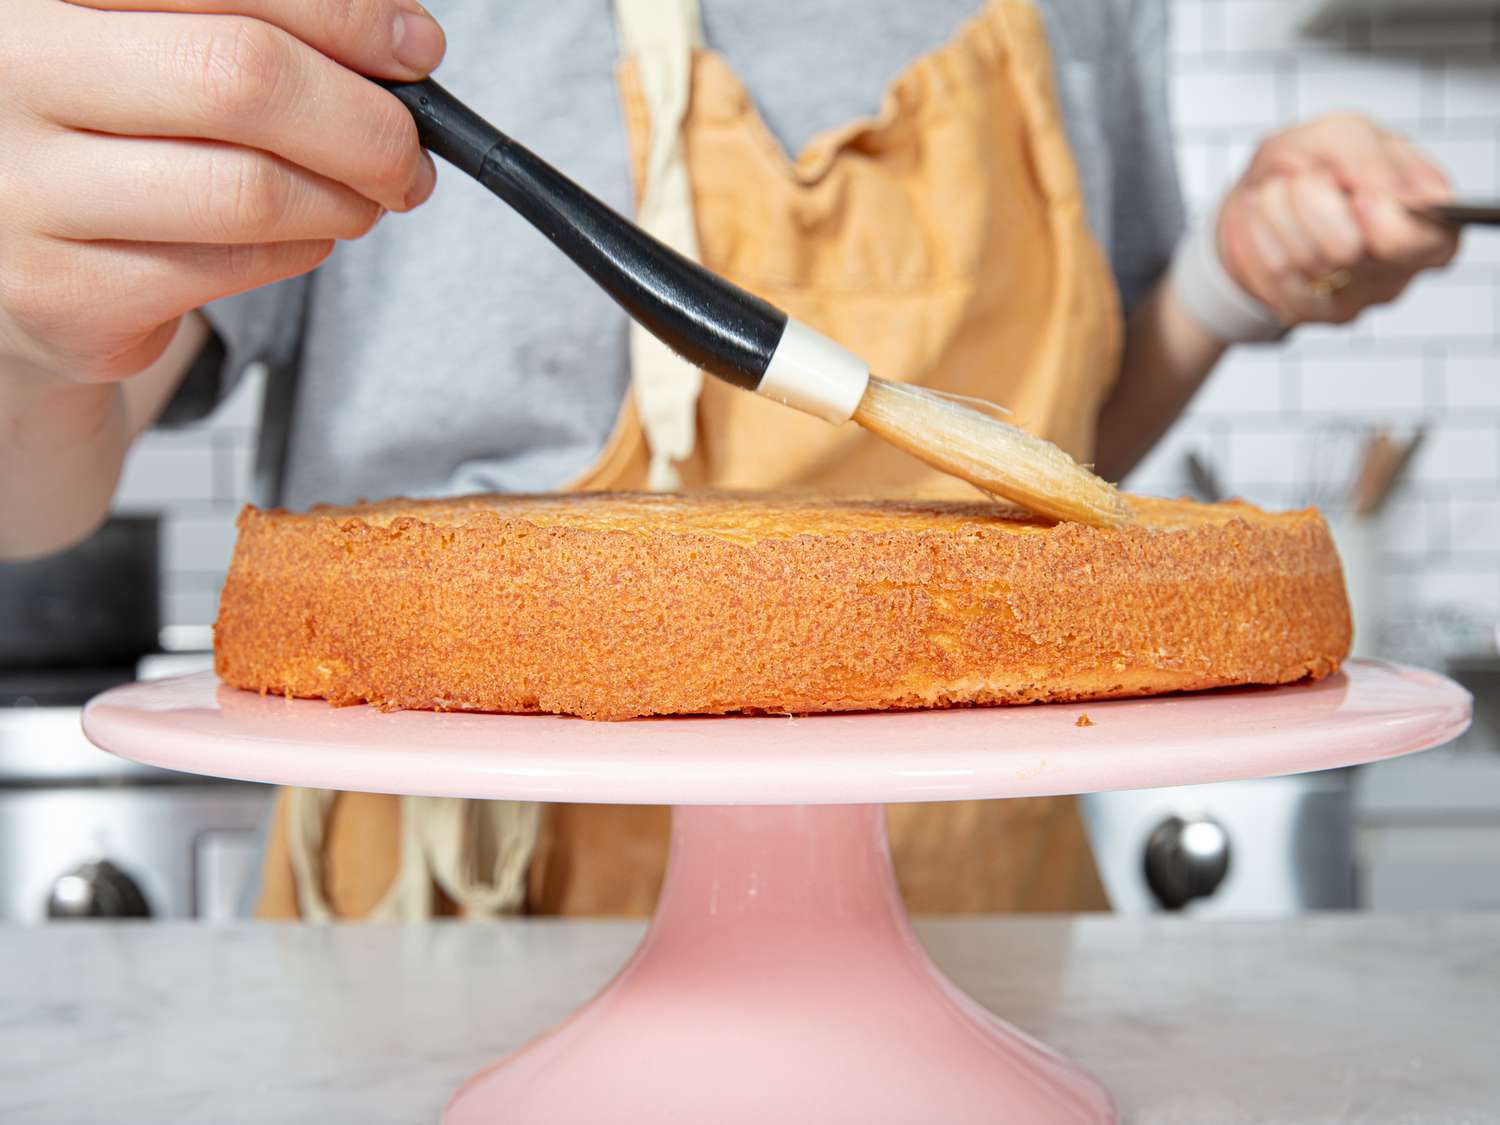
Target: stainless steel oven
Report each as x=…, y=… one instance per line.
x=85, y=833
x=1277, y=845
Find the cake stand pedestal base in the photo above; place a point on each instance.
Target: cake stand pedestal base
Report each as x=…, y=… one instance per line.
x=780, y=981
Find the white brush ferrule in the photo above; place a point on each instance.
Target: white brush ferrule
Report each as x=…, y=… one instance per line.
x=810, y=372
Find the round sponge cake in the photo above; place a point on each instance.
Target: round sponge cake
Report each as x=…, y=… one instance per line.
x=615, y=605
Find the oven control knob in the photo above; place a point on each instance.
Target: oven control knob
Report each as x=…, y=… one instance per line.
x=1186, y=858
x=97, y=890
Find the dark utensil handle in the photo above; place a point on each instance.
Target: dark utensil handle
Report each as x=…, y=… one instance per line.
x=710, y=322
x=1462, y=213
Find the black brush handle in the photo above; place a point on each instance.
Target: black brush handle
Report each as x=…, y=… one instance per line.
x=703, y=318
x=1463, y=213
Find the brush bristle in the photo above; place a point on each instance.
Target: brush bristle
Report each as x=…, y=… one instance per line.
x=992, y=455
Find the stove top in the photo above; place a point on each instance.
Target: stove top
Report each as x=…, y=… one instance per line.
x=41, y=740
x=59, y=687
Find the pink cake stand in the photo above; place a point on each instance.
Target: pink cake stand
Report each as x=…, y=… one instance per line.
x=780, y=980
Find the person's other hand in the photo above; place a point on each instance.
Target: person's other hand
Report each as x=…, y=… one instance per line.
x=158, y=154
x=1318, y=227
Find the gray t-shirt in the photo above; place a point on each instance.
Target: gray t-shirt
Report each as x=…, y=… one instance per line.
x=455, y=350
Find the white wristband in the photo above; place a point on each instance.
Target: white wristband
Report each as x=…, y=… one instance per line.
x=1213, y=298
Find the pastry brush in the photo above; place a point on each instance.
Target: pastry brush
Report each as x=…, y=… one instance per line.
x=748, y=342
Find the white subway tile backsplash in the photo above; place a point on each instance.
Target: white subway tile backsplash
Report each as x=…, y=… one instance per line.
x=165, y=468
x=1218, y=164
x=1321, y=341
x=241, y=407
x=1474, y=588
x=1439, y=306
x=1480, y=246
x=198, y=543
x=189, y=607
x=1475, y=526
x=234, y=468
x=1368, y=385
x=1265, y=25
x=1273, y=497
x=1471, y=162
x=1261, y=457
x=1395, y=595
x=1237, y=156
x=1460, y=451
x=1471, y=383
x=1194, y=29
x=1470, y=89
x=1198, y=171
x=1162, y=472
x=1219, y=98
x=1246, y=382
x=1411, y=528
x=1387, y=88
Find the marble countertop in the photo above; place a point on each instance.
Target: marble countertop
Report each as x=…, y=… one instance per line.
x=1319, y=1019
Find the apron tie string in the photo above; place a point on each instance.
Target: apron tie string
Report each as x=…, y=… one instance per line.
x=662, y=34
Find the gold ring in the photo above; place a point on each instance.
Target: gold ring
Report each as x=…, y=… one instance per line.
x=1336, y=282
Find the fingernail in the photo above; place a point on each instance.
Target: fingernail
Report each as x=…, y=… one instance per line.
x=417, y=41
x=425, y=182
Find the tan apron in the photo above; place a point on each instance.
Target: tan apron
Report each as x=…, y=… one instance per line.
x=944, y=240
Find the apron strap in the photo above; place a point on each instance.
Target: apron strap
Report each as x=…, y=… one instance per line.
x=478, y=852
x=661, y=35
x=306, y=816
x=410, y=894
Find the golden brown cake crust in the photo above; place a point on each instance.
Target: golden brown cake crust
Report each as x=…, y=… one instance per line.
x=613, y=605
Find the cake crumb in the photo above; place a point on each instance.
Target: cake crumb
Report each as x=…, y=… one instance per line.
x=1084, y=720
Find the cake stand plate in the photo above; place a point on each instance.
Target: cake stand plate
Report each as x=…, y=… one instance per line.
x=780, y=980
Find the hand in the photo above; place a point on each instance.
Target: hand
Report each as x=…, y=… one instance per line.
x=158, y=154
x=1318, y=227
